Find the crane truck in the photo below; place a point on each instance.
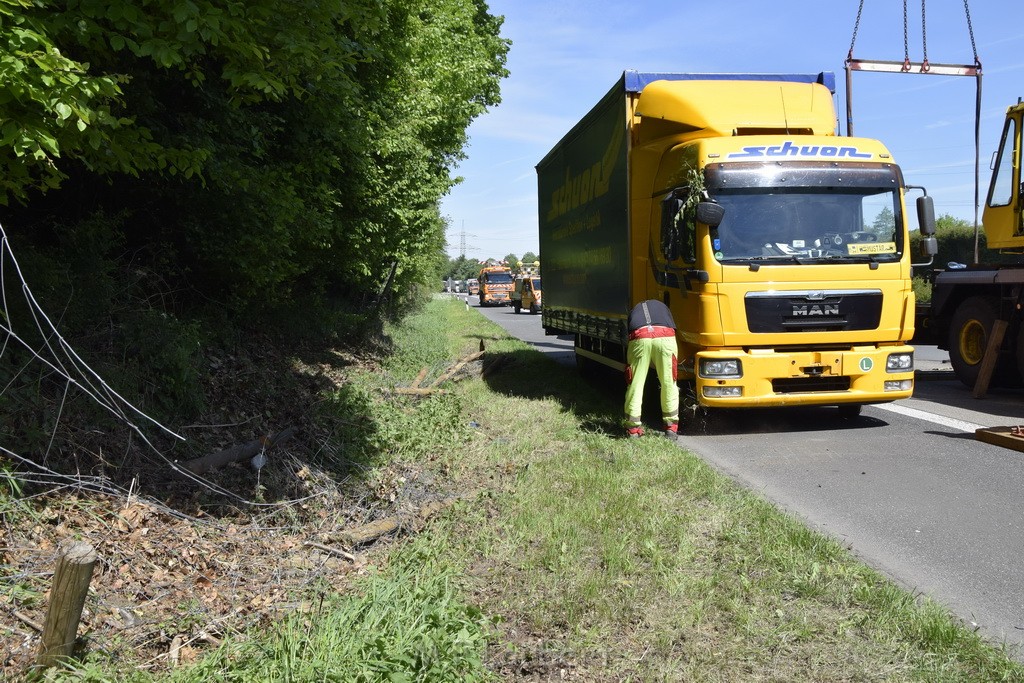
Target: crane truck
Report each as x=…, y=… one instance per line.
x=979, y=303
x=781, y=249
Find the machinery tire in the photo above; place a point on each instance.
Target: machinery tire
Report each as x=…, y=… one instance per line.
x=534, y=309
x=968, y=338
x=516, y=308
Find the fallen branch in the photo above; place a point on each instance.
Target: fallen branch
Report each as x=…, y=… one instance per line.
x=366, y=533
x=334, y=551
x=28, y=621
x=458, y=366
x=211, y=639
x=497, y=364
x=420, y=377
x=175, y=651
x=418, y=391
x=236, y=453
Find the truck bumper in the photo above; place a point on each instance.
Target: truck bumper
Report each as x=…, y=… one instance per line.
x=769, y=378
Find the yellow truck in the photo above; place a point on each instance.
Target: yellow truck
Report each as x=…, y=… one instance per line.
x=527, y=293
x=781, y=248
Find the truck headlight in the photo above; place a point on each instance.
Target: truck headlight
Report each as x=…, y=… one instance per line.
x=899, y=384
x=899, y=362
x=723, y=392
x=729, y=367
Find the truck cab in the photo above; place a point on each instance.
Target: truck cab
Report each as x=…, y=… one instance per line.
x=495, y=286
x=527, y=294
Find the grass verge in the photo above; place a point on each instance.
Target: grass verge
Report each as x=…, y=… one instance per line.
x=576, y=555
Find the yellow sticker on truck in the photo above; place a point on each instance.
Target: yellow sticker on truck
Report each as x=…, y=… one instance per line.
x=871, y=248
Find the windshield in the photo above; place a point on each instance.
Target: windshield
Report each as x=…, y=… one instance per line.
x=536, y=283
x=499, y=278
x=817, y=214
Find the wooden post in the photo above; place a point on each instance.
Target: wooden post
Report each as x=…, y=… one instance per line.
x=988, y=361
x=71, y=579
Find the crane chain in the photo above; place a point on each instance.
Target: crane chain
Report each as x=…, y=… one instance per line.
x=924, y=41
x=906, y=46
x=856, y=27
x=970, y=30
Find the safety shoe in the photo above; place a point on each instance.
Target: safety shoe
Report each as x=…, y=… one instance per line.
x=671, y=432
x=634, y=432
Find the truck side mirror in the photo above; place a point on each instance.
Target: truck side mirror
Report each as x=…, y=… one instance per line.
x=929, y=246
x=926, y=216
x=710, y=214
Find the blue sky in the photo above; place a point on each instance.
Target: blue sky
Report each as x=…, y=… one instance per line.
x=566, y=54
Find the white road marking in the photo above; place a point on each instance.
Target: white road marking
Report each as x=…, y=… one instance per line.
x=931, y=417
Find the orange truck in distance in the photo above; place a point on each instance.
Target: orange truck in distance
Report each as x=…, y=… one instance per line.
x=495, y=286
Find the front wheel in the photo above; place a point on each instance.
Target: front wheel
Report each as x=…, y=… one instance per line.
x=969, y=333
x=516, y=308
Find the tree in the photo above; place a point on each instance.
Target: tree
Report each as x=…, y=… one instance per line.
x=512, y=261
x=883, y=223
x=530, y=258
x=462, y=268
x=224, y=140
x=53, y=108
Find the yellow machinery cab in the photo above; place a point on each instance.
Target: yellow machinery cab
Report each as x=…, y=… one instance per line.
x=527, y=294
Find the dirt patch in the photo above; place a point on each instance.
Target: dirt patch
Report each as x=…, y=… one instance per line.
x=182, y=565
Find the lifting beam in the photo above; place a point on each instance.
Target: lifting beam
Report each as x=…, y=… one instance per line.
x=906, y=66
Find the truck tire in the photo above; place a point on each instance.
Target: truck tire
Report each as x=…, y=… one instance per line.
x=516, y=307
x=534, y=309
x=968, y=338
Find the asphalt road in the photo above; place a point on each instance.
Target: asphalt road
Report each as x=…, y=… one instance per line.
x=906, y=486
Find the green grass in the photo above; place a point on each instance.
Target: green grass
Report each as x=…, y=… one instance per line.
x=637, y=561
x=406, y=623
x=575, y=553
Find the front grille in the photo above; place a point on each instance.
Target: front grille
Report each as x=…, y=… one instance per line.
x=806, y=385
x=813, y=311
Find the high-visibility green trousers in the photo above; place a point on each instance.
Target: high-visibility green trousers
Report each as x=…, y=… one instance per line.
x=640, y=355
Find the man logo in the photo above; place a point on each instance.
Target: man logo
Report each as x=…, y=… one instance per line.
x=810, y=310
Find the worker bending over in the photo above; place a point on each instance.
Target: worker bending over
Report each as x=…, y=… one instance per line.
x=652, y=340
